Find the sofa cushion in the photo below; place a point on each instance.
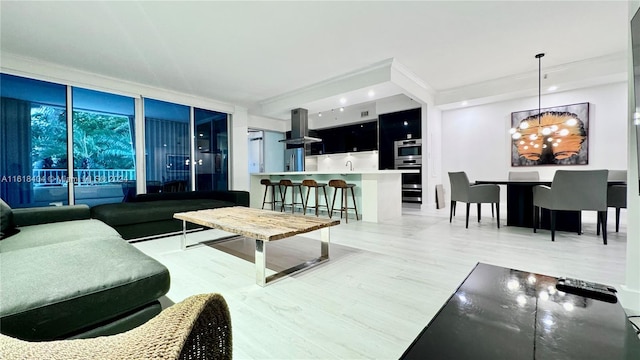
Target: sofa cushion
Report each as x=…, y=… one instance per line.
x=59, y=232
x=6, y=218
x=142, y=212
x=97, y=280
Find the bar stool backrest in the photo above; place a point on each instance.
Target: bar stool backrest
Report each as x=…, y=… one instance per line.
x=266, y=182
x=286, y=182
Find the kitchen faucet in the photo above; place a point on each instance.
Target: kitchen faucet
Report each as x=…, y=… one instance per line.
x=350, y=165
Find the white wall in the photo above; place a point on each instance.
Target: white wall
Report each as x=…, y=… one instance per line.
x=476, y=139
x=239, y=177
x=432, y=160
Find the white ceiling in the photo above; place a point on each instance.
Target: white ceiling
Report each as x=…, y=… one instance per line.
x=244, y=53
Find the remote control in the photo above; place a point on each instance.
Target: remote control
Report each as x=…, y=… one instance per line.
x=587, y=289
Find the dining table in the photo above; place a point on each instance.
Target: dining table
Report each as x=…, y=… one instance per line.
x=520, y=205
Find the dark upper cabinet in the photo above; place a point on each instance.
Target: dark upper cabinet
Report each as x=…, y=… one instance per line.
x=397, y=126
x=349, y=138
x=371, y=135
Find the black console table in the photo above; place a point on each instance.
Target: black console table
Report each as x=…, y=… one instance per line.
x=500, y=313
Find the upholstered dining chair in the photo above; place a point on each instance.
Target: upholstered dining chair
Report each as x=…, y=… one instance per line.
x=197, y=328
x=572, y=190
x=524, y=175
x=463, y=191
x=616, y=195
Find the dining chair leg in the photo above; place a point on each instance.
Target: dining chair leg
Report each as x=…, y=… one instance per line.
x=603, y=219
x=579, y=222
x=453, y=206
x=497, y=213
x=617, y=219
x=553, y=225
x=597, y=225
x=492, y=215
x=535, y=218
x=467, y=220
x=479, y=211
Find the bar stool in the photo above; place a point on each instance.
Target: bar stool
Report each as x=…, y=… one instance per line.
x=314, y=184
x=285, y=183
x=268, y=185
x=342, y=185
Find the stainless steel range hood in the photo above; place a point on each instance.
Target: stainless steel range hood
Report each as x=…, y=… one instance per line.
x=300, y=128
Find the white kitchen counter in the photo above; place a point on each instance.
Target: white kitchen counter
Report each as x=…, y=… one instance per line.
x=339, y=172
x=378, y=192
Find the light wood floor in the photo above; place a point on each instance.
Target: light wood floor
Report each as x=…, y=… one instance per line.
x=382, y=285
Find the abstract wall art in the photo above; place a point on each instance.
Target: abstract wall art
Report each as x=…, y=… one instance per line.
x=558, y=136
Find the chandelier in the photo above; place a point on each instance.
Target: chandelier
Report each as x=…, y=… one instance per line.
x=552, y=133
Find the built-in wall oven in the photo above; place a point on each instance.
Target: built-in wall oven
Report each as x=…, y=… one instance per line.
x=408, y=156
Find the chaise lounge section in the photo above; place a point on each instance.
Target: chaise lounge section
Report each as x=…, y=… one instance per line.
x=65, y=275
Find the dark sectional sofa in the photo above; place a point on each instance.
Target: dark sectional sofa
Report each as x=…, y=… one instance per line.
x=65, y=275
x=149, y=215
x=66, y=271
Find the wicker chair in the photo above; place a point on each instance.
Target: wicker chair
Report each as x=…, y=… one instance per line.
x=197, y=328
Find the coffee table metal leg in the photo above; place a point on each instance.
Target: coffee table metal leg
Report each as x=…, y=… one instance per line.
x=261, y=260
x=261, y=263
x=324, y=245
x=183, y=241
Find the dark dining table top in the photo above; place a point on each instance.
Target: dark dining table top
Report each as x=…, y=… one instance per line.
x=534, y=182
x=502, y=313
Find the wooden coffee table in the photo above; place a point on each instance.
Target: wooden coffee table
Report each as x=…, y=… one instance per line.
x=263, y=226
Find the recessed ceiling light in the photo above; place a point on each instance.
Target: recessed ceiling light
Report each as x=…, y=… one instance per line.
x=371, y=93
x=319, y=114
x=553, y=88
x=343, y=100
x=465, y=103
x=341, y=109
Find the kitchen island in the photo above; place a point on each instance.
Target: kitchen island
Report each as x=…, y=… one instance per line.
x=378, y=192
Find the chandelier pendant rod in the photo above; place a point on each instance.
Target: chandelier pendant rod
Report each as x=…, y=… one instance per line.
x=539, y=57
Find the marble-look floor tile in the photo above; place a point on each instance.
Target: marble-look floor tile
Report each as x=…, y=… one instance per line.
x=382, y=285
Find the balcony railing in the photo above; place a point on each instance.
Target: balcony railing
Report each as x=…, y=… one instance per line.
x=82, y=176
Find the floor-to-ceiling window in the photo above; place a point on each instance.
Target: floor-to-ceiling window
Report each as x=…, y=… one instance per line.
x=103, y=146
x=167, y=146
x=211, y=150
x=35, y=169
x=33, y=142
